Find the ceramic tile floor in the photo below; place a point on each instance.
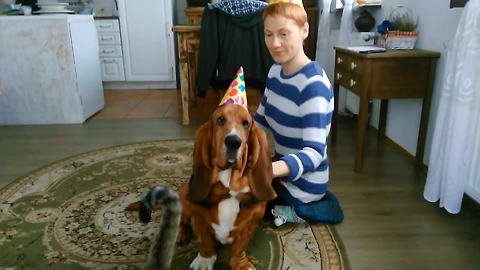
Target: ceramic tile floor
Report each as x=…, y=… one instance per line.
x=160, y=104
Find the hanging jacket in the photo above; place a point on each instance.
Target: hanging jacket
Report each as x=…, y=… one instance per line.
x=227, y=42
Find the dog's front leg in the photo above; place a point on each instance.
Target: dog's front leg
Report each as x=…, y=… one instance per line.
x=207, y=254
x=238, y=259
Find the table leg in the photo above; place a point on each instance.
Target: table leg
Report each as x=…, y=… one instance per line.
x=382, y=121
x=184, y=81
x=336, y=89
x=427, y=102
x=361, y=133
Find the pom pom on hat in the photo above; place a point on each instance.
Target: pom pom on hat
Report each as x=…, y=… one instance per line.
x=296, y=2
x=236, y=93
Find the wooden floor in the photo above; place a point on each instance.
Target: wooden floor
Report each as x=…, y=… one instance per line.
x=388, y=224
x=160, y=104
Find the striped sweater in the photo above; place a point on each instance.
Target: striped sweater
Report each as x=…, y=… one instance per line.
x=297, y=109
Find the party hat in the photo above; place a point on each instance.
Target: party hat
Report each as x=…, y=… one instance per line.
x=296, y=2
x=236, y=93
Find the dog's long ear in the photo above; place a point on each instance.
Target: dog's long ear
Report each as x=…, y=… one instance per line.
x=259, y=166
x=202, y=165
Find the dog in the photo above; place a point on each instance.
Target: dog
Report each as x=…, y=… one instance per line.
x=227, y=193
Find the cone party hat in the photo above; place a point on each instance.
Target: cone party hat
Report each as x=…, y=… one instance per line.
x=236, y=93
x=296, y=2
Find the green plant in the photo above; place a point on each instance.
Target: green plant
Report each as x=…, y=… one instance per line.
x=403, y=21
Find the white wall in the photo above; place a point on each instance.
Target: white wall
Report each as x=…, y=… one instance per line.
x=437, y=27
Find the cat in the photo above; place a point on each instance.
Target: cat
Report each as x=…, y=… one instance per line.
x=162, y=248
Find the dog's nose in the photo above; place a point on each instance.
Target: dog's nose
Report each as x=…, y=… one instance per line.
x=233, y=142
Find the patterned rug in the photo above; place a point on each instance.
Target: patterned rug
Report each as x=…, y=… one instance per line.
x=71, y=215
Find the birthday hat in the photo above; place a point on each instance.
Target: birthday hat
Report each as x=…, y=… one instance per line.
x=296, y=2
x=236, y=93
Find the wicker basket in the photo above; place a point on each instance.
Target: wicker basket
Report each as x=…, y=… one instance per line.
x=401, y=40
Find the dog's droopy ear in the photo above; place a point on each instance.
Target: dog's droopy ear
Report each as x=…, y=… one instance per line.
x=259, y=167
x=202, y=165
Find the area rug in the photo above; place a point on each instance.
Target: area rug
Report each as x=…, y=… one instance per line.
x=71, y=215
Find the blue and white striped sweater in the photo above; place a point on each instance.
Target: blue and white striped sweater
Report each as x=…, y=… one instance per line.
x=298, y=109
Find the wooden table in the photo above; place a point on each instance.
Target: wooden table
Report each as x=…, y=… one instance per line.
x=395, y=74
x=188, y=42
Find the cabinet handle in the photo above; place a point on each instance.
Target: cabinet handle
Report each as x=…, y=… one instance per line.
x=108, y=61
x=112, y=51
x=353, y=65
x=339, y=60
x=352, y=82
x=105, y=26
x=107, y=38
x=339, y=76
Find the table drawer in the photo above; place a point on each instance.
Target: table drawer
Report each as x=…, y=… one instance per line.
x=348, y=81
x=355, y=65
x=342, y=60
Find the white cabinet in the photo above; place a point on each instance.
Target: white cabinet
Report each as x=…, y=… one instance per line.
x=111, y=56
x=52, y=73
x=147, y=40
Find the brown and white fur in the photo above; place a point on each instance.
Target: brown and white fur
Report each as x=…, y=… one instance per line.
x=231, y=183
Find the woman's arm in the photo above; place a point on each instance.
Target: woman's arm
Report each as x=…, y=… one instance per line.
x=316, y=111
x=280, y=169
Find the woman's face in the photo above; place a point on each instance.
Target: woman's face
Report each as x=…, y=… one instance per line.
x=283, y=37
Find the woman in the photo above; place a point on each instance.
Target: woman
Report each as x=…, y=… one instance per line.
x=297, y=107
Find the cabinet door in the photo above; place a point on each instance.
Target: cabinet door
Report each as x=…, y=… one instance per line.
x=147, y=40
x=112, y=69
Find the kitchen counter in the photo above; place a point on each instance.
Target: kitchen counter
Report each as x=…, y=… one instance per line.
x=50, y=69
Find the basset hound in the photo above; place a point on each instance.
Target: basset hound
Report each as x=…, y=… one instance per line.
x=231, y=183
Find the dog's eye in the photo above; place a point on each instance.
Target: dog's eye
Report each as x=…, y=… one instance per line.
x=221, y=120
x=245, y=124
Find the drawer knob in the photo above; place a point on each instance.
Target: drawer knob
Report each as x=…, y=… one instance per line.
x=108, y=61
x=352, y=82
x=339, y=60
x=339, y=76
x=353, y=65
x=107, y=38
x=110, y=51
x=105, y=26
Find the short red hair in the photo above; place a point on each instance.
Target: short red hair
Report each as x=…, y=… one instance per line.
x=288, y=10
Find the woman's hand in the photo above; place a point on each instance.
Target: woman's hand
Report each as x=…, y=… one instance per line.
x=280, y=169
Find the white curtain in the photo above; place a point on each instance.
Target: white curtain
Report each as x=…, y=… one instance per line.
x=455, y=154
x=346, y=25
x=323, y=51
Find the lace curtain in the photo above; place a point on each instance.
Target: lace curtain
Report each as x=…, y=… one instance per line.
x=346, y=25
x=455, y=154
x=323, y=38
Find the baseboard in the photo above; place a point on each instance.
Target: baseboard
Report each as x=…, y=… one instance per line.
x=467, y=200
x=139, y=85
x=399, y=149
x=471, y=203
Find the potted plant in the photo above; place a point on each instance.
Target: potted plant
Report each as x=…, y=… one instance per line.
x=399, y=30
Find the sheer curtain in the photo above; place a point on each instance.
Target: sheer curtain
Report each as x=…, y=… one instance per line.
x=323, y=38
x=455, y=154
x=346, y=25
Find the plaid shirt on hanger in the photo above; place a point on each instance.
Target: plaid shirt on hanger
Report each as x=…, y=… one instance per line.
x=235, y=7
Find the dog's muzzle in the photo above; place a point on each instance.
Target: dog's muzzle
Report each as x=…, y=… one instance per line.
x=232, y=144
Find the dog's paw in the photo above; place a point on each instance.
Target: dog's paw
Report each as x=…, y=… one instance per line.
x=184, y=234
x=201, y=263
